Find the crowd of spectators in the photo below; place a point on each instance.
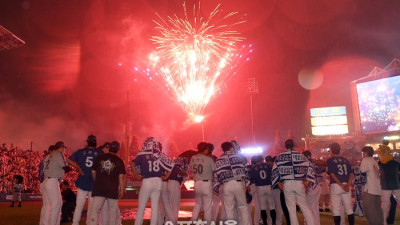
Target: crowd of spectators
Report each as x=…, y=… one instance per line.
x=17, y=161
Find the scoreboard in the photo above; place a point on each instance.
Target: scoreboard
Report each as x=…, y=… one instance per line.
x=329, y=121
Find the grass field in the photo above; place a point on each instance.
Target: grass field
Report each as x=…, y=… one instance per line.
x=30, y=212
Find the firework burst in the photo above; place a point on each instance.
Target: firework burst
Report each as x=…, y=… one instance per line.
x=194, y=55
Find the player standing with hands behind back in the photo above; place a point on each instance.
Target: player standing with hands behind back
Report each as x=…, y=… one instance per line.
x=203, y=167
x=83, y=160
x=341, y=174
x=150, y=164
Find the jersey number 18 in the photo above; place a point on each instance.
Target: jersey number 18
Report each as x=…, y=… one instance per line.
x=154, y=166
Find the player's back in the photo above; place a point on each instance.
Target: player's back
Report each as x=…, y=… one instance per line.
x=261, y=174
x=339, y=166
x=202, y=166
x=85, y=158
x=147, y=165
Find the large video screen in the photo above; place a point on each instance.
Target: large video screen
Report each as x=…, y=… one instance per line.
x=379, y=105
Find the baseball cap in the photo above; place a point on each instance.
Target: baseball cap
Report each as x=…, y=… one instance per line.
x=59, y=144
x=114, y=146
x=105, y=145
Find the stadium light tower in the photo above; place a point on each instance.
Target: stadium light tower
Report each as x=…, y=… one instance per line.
x=8, y=40
x=252, y=87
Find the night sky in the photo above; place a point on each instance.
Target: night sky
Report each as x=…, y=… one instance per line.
x=65, y=82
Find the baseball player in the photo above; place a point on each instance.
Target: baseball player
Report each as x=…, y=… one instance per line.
x=108, y=173
x=231, y=173
x=83, y=160
x=217, y=199
x=341, y=174
x=149, y=166
x=174, y=185
x=253, y=193
x=44, y=213
x=314, y=190
x=276, y=196
x=203, y=167
x=54, y=172
x=165, y=204
x=292, y=173
x=260, y=173
x=104, y=212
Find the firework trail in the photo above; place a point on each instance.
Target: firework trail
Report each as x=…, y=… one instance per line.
x=194, y=55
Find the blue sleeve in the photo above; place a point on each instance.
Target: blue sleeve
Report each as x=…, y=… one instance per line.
x=74, y=157
x=41, y=172
x=330, y=166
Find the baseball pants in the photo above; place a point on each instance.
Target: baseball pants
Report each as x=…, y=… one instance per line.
x=80, y=203
x=217, y=200
x=313, y=202
x=294, y=191
x=98, y=203
x=52, y=189
x=276, y=196
x=174, y=193
x=151, y=188
x=203, y=195
x=103, y=218
x=234, y=194
x=257, y=216
x=265, y=200
x=44, y=213
x=339, y=196
x=166, y=210
x=386, y=201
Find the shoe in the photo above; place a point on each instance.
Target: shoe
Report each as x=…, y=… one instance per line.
x=327, y=210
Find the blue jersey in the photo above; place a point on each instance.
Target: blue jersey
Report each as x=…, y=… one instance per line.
x=85, y=159
x=148, y=165
x=175, y=174
x=261, y=174
x=41, y=171
x=341, y=167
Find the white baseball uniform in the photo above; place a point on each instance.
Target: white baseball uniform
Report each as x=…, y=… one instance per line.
x=203, y=168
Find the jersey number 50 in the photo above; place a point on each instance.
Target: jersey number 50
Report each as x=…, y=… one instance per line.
x=197, y=169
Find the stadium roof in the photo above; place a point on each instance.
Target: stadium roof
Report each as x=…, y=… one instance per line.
x=8, y=40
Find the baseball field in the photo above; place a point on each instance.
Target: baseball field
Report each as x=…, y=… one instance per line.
x=29, y=214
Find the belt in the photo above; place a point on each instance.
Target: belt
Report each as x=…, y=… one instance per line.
x=231, y=180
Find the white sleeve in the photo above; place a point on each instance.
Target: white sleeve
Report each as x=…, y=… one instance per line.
x=364, y=166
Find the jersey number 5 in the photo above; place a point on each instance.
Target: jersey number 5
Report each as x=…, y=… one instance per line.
x=89, y=161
